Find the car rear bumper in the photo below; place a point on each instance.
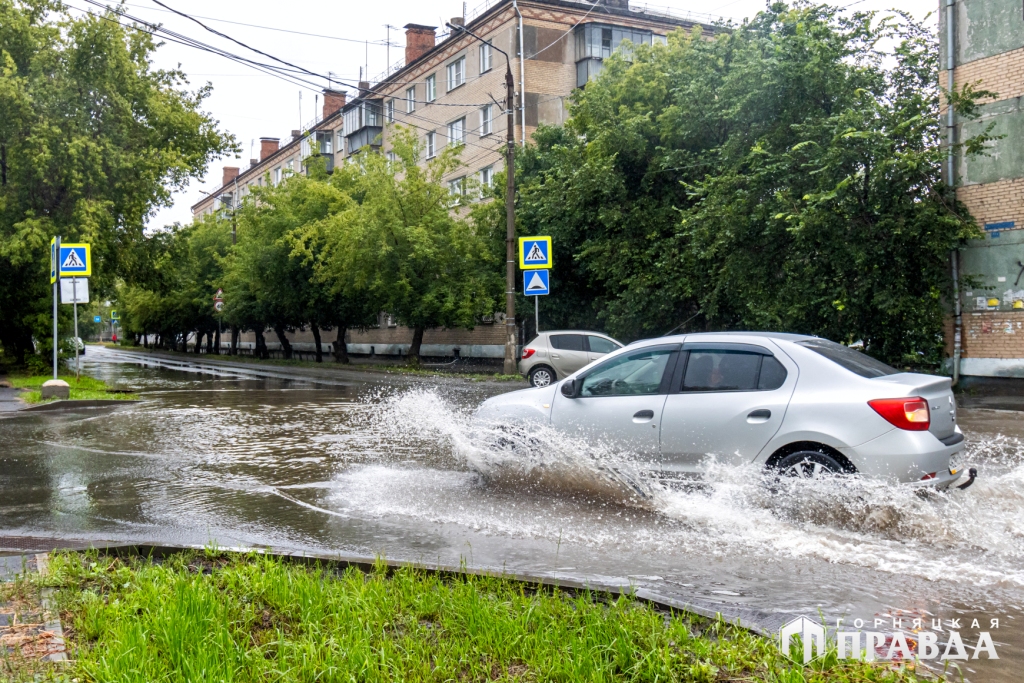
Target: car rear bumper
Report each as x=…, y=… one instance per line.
x=907, y=457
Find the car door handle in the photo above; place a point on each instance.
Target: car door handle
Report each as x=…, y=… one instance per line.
x=757, y=416
x=643, y=415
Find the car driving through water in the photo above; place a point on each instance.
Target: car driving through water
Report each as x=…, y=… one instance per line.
x=798, y=404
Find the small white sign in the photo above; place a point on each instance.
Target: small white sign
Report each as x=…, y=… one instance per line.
x=74, y=290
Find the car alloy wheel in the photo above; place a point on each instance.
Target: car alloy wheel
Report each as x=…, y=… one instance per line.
x=541, y=377
x=809, y=465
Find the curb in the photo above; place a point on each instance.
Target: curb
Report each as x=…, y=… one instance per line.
x=67, y=405
x=753, y=621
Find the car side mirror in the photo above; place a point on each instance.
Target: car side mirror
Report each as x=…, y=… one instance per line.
x=569, y=388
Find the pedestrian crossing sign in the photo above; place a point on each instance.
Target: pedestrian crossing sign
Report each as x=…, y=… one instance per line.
x=536, y=282
x=75, y=259
x=534, y=252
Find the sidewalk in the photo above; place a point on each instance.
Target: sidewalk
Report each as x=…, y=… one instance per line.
x=327, y=372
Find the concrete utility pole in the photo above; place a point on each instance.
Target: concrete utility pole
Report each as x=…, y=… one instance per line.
x=510, y=207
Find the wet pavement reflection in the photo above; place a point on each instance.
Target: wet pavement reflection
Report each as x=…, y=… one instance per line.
x=361, y=464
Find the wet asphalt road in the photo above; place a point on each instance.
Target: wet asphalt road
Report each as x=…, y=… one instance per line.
x=362, y=463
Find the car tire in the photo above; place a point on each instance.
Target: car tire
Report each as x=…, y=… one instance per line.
x=809, y=465
x=542, y=376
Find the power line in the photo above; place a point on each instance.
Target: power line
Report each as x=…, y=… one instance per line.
x=269, y=28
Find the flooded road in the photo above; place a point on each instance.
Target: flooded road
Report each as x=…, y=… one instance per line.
x=394, y=467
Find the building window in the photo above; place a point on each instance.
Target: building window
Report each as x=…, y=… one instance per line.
x=410, y=100
x=389, y=111
x=340, y=145
x=457, y=132
x=486, y=120
x=457, y=187
x=456, y=73
x=431, y=147
x=277, y=175
x=487, y=176
x=431, y=87
x=392, y=157
x=486, y=58
x=596, y=42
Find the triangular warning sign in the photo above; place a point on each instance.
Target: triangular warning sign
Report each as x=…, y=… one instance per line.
x=72, y=262
x=536, y=254
x=536, y=283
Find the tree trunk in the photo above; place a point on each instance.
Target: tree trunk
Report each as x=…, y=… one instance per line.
x=216, y=345
x=319, y=349
x=261, y=344
x=198, y=348
x=340, y=347
x=286, y=346
x=417, y=342
x=209, y=342
x=234, y=341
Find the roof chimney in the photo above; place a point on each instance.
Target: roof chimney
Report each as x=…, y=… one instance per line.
x=253, y=162
x=333, y=101
x=268, y=146
x=296, y=134
x=419, y=40
x=230, y=173
x=458, y=21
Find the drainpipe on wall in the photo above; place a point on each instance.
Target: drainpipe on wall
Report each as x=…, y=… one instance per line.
x=522, y=76
x=951, y=131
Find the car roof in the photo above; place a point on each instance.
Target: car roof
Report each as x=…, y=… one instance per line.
x=784, y=336
x=600, y=334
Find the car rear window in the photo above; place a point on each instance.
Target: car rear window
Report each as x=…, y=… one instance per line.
x=567, y=342
x=856, y=362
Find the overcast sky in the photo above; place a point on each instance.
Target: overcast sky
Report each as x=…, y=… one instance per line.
x=251, y=105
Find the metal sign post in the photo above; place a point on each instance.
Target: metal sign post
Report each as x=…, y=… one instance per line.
x=78, y=356
x=55, y=279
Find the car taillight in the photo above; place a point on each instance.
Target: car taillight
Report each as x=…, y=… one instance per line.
x=906, y=413
x=528, y=352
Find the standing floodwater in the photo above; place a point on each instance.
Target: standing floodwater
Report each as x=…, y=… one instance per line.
x=399, y=468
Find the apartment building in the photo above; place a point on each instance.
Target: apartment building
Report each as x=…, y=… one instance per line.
x=987, y=48
x=450, y=88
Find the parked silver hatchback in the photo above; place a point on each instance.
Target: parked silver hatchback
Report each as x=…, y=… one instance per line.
x=552, y=356
x=795, y=403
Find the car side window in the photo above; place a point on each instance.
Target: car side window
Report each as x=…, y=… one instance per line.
x=723, y=370
x=601, y=345
x=631, y=374
x=773, y=374
x=567, y=342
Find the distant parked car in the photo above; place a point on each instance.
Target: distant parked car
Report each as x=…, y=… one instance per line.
x=798, y=404
x=552, y=356
x=80, y=345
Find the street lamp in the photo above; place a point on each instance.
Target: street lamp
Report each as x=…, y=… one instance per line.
x=510, y=208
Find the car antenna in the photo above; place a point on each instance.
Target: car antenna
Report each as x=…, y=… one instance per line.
x=681, y=324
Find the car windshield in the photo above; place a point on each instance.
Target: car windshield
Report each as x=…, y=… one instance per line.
x=856, y=362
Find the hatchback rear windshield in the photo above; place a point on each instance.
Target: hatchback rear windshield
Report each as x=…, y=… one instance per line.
x=856, y=362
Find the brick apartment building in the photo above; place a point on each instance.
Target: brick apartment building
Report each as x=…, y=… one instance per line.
x=988, y=49
x=450, y=89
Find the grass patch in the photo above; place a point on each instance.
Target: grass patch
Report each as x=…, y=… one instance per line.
x=82, y=388
x=209, y=617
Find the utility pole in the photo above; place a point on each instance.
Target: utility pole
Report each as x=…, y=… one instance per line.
x=56, y=291
x=510, y=365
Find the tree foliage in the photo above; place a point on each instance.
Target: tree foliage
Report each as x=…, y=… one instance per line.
x=92, y=140
x=785, y=175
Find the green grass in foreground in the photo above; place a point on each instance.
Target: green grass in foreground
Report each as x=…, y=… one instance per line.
x=82, y=388
x=204, y=617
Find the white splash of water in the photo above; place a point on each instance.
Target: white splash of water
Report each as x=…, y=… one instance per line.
x=973, y=537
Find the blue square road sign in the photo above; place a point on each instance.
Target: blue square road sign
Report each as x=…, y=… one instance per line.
x=536, y=282
x=534, y=252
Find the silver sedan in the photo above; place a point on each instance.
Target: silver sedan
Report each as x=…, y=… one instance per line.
x=799, y=404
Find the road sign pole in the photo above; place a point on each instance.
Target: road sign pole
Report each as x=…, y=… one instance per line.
x=56, y=292
x=536, y=314
x=78, y=356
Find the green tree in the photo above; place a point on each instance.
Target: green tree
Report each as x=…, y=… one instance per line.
x=408, y=244
x=785, y=175
x=92, y=140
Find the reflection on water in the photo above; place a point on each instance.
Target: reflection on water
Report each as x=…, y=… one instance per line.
x=403, y=470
